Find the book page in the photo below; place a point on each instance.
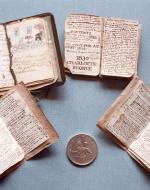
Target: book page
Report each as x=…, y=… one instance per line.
x=22, y=123
x=83, y=44
x=6, y=79
x=129, y=119
x=31, y=50
x=120, y=47
x=52, y=45
x=141, y=147
x=10, y=152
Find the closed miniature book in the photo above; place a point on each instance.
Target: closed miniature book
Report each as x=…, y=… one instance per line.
x=24, y=129
x=30, y=53
x=127, y=121
x=104, y=47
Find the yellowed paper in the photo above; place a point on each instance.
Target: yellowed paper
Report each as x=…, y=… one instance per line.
x=130, y=118
x=83, y=44
x=22, y=123
x=30, y=48
x=120, y=47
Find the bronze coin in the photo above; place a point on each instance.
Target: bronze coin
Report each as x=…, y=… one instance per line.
x=82, y=150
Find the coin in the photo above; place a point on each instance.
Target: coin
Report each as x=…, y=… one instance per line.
x=82, y=150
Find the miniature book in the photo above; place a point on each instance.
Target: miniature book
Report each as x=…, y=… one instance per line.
x=104, y=47
x=30, y=53
x=24, y=129
x=127, y=121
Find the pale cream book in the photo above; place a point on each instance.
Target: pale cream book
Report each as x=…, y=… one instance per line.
x=29, y=52
x=127, y=121
x=24, y=129
x=104, y=47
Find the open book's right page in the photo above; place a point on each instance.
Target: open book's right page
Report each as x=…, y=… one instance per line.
x=120, y=48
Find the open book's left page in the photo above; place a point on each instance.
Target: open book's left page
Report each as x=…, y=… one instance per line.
x=6, y=78
x=83, y=44
x=24, y=121
x=10, y=151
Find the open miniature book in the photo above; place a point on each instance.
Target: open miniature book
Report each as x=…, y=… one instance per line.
x=97, y=46
x=127, y=121
x=29, y=52
x=24, y=129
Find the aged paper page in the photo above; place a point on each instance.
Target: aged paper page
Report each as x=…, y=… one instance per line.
x=30, y=48
x=10, y=152
x=83, y=44
x=51, y=46
x=120, y=47
x=141, y=147
x=131, y=118
x=6, y=79
x=22, y=123
x=54, y=49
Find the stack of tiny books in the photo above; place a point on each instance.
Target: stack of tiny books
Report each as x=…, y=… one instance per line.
x=31, y=61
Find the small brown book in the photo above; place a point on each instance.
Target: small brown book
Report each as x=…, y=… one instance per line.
x=127, y=121
x=103, y=47
x=30, y=53
x=24, y=129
